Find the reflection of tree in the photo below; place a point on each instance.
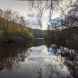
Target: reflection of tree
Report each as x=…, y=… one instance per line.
x=40, y=73
x=10, y=56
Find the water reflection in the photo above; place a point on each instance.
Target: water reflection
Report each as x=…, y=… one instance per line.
x=10, y=56
x=42, y=65
x=68, y=56
x=63, y=51
x=34, y=62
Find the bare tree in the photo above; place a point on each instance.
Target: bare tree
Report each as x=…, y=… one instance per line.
x=1, y=12
x=22, y=21
x=7, y=14
x=71, y=19
x=40, y=6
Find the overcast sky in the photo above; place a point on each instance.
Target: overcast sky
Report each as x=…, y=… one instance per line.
x=7, y=3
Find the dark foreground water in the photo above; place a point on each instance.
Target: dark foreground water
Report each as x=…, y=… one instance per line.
x=34, y=62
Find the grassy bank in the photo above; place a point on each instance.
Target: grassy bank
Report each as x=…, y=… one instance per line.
x=11, y=32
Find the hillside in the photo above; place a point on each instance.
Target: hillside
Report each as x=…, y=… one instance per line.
x=13, y=32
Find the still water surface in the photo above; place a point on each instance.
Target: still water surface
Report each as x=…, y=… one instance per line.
x=34, y=62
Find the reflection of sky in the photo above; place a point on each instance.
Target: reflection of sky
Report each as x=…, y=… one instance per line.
x=39, y=58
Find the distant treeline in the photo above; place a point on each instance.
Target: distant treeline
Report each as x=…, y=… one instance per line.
x=67, y=37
